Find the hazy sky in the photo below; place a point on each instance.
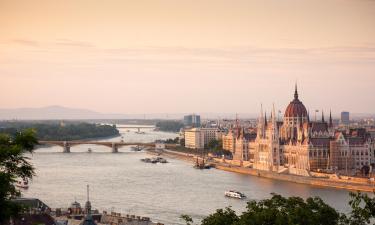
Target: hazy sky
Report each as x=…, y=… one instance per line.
x=156, y=56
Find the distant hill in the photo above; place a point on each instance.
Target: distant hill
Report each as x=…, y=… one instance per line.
x=56, y=112
x=49, y=112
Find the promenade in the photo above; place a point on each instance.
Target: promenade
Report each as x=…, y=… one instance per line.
x=318, y=179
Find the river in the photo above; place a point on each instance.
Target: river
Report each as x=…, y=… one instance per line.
x=122, y=183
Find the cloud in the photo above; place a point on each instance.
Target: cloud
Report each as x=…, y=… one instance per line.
x=68, y=42
x=74, y=53
x=26, y=42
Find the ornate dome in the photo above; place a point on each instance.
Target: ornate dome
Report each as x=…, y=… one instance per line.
x=295, y=107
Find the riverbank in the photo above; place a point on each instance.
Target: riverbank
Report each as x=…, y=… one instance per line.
x=356, y=184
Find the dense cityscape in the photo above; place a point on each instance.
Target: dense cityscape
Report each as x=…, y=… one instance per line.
x=294, y=145
x=180, y=112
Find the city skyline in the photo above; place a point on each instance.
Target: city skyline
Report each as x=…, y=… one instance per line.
x=213, y=56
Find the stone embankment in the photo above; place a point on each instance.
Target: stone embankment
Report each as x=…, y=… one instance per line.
x=317, y=179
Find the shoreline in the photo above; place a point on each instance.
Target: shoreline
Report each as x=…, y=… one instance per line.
x=313, y=181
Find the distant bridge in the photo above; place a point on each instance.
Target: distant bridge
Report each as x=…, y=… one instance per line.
x=135, y=127
x=114, y=145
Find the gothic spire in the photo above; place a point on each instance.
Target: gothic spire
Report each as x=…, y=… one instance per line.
x=330, y=119
x=296, y=92
x=308, y=116
x=322, y=116
x=265, y=118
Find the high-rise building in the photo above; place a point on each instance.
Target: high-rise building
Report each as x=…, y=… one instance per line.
x=345, y=118
x=192, y=120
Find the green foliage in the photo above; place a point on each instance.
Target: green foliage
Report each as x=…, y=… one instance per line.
x=182, y=141
x=289, y=211
x=221, y=217
x=169, y=125
x=172, y=141
x=363, y=210
x=216, y=147
x=14, y=164
x=279, y=210
x=56, y=132
x=188, y=220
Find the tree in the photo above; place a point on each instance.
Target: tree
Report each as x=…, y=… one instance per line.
x=188, y=220
x=363, y=210
x=14, y=164
x=221, y=217
x=289, y=211
x=279, y=210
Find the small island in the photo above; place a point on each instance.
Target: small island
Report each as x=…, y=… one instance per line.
x=60, y=131
x=169, y=125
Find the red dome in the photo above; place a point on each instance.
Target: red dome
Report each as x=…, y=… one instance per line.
x=295, y=108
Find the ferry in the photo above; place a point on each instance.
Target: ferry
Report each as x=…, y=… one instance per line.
x=24, y=183
x=234, y=194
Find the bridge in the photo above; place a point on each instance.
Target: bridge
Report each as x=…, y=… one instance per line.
x=114, y=145
x=135, y=127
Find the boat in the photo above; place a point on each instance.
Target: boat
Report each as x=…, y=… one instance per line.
x=235, y=194
x=202, y=165
x=146, y=160
x=89, y=150
x=24, y=183
x=154, y=160
x=139, y=131
x=136, y=148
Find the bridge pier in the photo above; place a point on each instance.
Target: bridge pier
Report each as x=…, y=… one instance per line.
x=66, y=147
x=114, y=148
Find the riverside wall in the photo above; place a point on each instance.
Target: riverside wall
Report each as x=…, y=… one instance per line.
x=353, y=184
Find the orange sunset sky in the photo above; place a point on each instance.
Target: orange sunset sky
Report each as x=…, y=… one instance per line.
x=156, y=56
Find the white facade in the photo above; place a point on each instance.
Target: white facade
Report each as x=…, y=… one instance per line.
x=197, y=138
x=194, y=138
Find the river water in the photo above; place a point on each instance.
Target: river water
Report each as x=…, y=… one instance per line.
x=122, y=183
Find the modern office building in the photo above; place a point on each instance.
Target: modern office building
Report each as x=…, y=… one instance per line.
x=345, y=118
x=192, y=120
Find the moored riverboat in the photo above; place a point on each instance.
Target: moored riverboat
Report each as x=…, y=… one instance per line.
x=234, y=194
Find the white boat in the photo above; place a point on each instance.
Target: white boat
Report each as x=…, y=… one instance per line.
x=235, y=194
x=24, y=183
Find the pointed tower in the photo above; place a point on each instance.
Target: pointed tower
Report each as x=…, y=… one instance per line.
x=323, y=116
x=88, y=220
x=88, y=203
x=296, y=91
x=275, y=129
x=260, y=130
x=330, y=119
x=265, y=119
x=308, y=116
